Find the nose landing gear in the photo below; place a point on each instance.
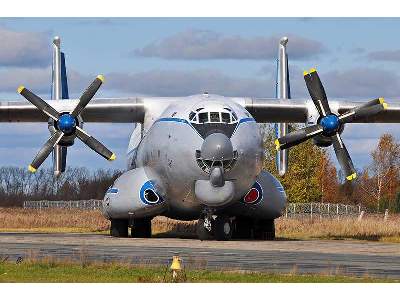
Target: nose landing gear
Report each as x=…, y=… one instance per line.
x=214, y=227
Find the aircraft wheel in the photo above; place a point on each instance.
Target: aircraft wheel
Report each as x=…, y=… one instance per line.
x=141, y=228
x=223, y=228
x=264, y=230
x=202, y=232
x=119, y=228
x=243, y=228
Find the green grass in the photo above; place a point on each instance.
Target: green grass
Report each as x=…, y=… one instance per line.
x=72, y=272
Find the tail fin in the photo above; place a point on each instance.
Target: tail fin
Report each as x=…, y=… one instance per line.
x=59, y=90
x=282, y=92
x=64, y=80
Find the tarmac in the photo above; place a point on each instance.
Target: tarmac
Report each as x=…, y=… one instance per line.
x=341, y=257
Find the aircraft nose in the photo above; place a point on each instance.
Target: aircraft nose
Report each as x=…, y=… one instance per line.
x=217, y=146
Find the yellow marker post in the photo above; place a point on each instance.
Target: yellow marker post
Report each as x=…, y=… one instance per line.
x=175, y=266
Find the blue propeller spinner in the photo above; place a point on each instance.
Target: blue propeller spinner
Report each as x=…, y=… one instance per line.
x=66, y=123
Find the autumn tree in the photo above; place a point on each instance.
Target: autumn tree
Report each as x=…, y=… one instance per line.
x=311, y=176
x=381, y=178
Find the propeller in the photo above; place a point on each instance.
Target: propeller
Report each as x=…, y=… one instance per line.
x=66, y=124
x=329, y=124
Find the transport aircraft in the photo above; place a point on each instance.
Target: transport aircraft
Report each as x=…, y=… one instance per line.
x=195, y=157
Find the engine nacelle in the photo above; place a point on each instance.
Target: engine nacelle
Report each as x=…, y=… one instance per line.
x=265, y=200
x=133, y=195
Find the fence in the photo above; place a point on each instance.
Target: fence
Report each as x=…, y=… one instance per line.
x=81, y=204
x=291, y=210
x=321, y=210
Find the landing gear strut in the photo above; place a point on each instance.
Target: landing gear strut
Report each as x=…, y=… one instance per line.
x=119, y=228
x=247, y=228
x=214, y=227
x=141, y=228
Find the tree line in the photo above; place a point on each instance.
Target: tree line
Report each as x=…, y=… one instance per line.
x=313, y=177
x=18, y=185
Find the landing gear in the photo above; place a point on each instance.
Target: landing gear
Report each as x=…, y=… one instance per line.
x=119, y=228
x=214, y=227
x=223, y=228
x=141, y=228
x=247, y=228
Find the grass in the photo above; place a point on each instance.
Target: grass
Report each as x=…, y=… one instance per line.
x=53, y=271
x=62, y=220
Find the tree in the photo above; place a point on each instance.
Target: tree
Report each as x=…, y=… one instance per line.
x=381, y=178
x=311, y=176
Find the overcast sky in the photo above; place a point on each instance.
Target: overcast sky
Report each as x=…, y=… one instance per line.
x=356, y=59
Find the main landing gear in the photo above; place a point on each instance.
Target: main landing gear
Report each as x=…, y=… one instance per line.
x=140, y=228
x=223, y=228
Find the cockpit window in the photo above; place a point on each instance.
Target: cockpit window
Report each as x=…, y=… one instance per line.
x=203, y=117
x=214, y=117
x=225, y=116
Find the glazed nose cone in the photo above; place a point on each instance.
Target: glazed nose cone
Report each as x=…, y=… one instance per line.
x=217, y=146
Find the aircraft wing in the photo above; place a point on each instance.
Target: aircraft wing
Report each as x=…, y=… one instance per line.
x=105, y=110
x=298, y=110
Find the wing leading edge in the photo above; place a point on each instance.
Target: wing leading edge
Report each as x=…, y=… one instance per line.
x=299, y=110
x=105, y=110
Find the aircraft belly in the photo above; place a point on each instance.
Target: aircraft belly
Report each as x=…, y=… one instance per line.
x=170, y=153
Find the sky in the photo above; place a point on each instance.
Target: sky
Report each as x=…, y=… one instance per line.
x=357, y=59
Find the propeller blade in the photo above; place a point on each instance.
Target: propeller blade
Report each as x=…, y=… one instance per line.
x=317, y=92
x=298, y=136
x=344, y=158
x=88, y=95
x=38, y=102
x=45, y=151
x=360, y=113
x=94, y=144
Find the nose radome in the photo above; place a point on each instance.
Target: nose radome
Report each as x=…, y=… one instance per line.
x=217, y=146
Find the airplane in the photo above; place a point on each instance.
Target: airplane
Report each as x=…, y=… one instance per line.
x=198, y=157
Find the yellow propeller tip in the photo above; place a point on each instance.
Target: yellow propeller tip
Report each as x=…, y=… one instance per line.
x=101, y=77
x=385, y=105
x=312, y=70
x=20, y=88
x=113, y=157
x=381, y=100
x=278, y=145
x=31, y=169
x=351, y=177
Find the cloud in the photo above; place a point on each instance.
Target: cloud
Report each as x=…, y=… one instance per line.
x=205, y=44
x=183, y=83
x=24, y=49
x=385, y=55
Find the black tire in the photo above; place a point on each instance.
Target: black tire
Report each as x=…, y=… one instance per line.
x=202, y=232
x=141, y=228
x=243, y=228
x=223, y=228
x=264, y=230
x=119, y=228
